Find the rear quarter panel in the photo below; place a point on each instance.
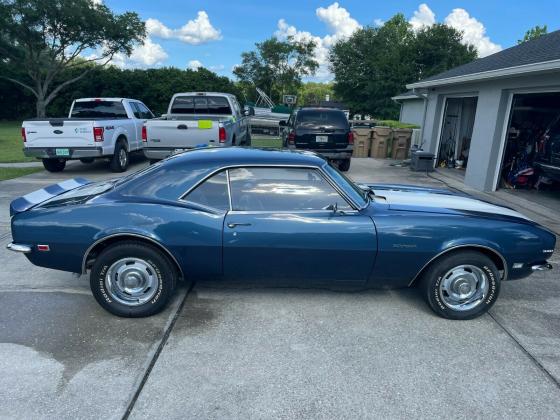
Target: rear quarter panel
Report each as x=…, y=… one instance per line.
x=194, y=238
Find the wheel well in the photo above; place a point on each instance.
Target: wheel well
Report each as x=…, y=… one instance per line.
x=123, y=138
x=490, y=253
x=92, y=253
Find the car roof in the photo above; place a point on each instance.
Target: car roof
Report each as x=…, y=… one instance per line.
x=233, y=156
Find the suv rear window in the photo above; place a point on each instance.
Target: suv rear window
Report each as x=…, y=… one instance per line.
x=99, y=109
x=321, y=117
x=216, y=105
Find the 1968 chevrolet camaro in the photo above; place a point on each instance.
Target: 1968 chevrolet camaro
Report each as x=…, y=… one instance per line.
x=276, y=217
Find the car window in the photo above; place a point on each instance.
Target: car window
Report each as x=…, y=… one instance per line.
x=324, y=118
x=216, y=105
x=99, y=109
x=211, y=193
x=282, y=189
x=136, y=110
x=145, y=112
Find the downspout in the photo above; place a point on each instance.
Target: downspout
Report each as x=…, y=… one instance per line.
x=425, y=98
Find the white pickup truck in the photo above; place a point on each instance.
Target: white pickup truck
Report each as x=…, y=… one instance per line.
x=196, y=119
x=95, y=128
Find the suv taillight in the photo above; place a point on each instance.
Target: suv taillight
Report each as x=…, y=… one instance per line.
x=292, y=137
x=144, y=134
x=98, y=133
x=351, y=137
x=23, y=136
x=222, y=135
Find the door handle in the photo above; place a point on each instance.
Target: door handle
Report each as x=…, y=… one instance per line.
x=233, y=225
x=182, y=127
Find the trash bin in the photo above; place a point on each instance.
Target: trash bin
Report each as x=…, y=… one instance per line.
x=362, y=141
x=422, y=161
x=401, y=143
x=380, y=142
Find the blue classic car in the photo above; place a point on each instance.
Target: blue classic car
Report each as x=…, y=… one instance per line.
x=276, y=217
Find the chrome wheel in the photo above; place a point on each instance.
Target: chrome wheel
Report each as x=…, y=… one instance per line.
x=464, y=287
x=123, y=157
x=131, y=281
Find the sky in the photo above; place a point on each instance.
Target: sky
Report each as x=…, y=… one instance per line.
x=214, y=33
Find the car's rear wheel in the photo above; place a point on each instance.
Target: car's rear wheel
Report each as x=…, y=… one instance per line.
x=344, y=165
x=54, y=165
x=132, y=279
x=461, y=285
x=120, y=160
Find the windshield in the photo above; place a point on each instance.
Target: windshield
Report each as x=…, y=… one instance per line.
x=356, y=193
x=322, y=118
x=98, y=109
x=80, y=194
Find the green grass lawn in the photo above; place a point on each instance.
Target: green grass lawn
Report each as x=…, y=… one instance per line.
x=11, y=143
x=9, y=173
x=266, y=142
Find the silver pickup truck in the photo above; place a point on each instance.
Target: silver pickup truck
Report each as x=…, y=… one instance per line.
x=196, y=119
x=95, y=128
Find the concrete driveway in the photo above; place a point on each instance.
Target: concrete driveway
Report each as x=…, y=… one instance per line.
x=244, y=352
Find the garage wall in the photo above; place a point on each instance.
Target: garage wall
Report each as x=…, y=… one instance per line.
x=412, y=111
x=490, y=120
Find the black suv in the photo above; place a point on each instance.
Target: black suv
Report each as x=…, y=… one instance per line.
x=325, y=131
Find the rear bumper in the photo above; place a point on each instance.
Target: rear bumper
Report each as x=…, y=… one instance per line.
x=333, y=154
x=74, y=152
x=157, y=153
x=25, y=249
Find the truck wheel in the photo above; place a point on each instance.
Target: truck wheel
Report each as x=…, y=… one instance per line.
x=132, y=279
x=119, y=161
x=87, y=160
x=54, y=165
x=344, y=165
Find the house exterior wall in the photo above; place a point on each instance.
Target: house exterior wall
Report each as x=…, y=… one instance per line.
x=412, y=111
x=490, y=123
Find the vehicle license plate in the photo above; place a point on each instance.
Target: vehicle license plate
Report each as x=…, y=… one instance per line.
x=62, y=152
x=322, y=139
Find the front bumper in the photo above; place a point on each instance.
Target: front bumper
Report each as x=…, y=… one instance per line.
x=541, y=267
x=74, y=152
x=520, y=271
x=25, y=249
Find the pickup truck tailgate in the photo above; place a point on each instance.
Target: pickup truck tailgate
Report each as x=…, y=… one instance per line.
x=182, y=133
x=63, y=133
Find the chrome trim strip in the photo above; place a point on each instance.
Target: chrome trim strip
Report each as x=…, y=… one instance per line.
x=25, y=249
x=229, y=190
x=445, y=251
x=345, y=196
x=84, y=260
x=541, y=267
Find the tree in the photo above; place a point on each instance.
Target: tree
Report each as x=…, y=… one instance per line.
x=533, y=33
x=48, y=38
x=376, y=63
x=277, y=66
x=313, y=93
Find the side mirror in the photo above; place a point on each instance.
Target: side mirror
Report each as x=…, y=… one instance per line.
x=246, y=113
x=282, y=123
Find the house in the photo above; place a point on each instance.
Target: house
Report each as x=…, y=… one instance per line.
x=489, y=118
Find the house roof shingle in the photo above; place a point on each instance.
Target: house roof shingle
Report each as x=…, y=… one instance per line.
x=539, y=50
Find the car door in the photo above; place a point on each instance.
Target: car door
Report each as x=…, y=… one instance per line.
x=290, y=223
x=138, y=122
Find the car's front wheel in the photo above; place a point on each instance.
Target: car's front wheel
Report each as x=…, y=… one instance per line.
x=461, y=285
x=132, y=279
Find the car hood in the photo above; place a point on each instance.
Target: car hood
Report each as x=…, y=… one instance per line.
x=411, y=198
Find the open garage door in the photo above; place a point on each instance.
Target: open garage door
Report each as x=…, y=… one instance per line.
x=531, y=160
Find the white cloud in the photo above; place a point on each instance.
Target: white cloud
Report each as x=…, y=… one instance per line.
x=194, y=64
x=422, y=17
x=474, y=32
x=338, y=21
x=149, y=54
x=378, y=22
x=97, y=2
x=195, y=32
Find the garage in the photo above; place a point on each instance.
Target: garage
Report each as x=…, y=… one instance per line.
x=531, y=159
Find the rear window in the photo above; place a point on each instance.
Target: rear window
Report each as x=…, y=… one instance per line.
x=99, y=109
x=216, y=105
x=323, y=118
